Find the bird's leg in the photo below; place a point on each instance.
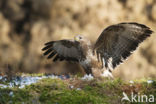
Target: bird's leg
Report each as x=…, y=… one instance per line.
x=88, y=71
x=89, y=75
x=96, y=72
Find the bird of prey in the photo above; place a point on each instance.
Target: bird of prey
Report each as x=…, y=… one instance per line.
x=113, y=46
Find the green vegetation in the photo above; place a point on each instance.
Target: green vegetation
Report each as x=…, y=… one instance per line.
x=56, y=91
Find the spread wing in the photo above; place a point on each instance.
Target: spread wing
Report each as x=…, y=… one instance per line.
x=63, y=50
x=116, y=42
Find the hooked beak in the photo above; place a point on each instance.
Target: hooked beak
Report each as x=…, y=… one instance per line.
x=76, y=38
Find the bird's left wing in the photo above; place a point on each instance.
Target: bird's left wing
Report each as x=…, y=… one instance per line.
x=69, y=50
x=117, y=42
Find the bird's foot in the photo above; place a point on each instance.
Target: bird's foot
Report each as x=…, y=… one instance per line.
x=107, y=74
x=87, y=77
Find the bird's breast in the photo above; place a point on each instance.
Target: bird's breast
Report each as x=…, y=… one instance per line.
x=92, y=62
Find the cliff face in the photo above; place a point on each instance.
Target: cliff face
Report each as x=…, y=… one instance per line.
x=25, y=25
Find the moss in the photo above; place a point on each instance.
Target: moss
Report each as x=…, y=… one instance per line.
x=18, y=95
x=56, y=91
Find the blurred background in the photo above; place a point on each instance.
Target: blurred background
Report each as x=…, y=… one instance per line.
x=25, y=25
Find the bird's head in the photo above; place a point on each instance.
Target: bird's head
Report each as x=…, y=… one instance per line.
x=82, y=40
x=79, y=38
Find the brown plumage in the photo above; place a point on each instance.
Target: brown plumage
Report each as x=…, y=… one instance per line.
x=115, y=44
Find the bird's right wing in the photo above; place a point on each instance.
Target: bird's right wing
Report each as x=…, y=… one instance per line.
x=69, y=50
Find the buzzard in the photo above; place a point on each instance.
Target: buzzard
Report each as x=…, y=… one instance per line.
x=113, y=46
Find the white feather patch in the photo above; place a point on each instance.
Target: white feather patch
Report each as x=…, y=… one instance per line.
x=107, y=74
